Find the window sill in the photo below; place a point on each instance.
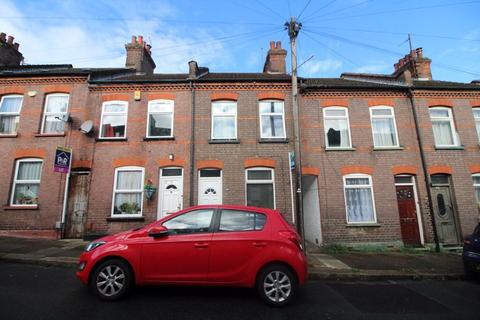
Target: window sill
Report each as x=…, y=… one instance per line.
x=35, y=207
x=47, y=135
x=8, y=135
x=126, y=219
x=387, y=148
x=450, y=148
x=223, y=141
x=362, y=225
x=340, y=149
x=158, y=138
x=273, y=140
x=111, y=139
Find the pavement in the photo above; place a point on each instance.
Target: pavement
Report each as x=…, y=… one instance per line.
x=351, y=265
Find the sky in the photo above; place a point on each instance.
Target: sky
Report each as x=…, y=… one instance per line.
x=233, y=36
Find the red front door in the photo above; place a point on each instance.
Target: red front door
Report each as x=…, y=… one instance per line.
x=408, y=215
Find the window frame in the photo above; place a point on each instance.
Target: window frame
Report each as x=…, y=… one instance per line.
x=17, y=114
x=392, y=116
x=220, y=215
x=210, y=227
x=346, y=117
x=272, y=181
x=45, y=113
x=15, y=181
x=171, y=104
x=235, y=137
x=370, y=185
x=453, y=129
x=476, y=118
x=115, y=191
x=475, y=186
x=105, y=103
x=260, y=114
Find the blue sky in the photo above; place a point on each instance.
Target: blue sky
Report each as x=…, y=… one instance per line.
x=233, y=36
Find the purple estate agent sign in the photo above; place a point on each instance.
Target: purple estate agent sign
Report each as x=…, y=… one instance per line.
x=62, y=160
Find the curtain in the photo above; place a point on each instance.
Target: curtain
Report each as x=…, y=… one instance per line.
x=57, y=104
x=53, y=125
x=29, y=171
x=384, y=132
x=8, y=124
x=272, y=126
x=337, y=133
x=359, y=205
x=477, y=124
x=129, y=180
x=443, y=133
x=224, y=127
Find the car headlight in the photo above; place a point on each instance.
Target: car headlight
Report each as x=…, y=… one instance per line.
x=94, y=245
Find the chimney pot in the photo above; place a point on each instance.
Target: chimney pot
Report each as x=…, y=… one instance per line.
x=16, y=45
x=278, y=45
x=272, y=44
x=10, y=40
x=2, y=36
x=134, y=39
x=140, y=39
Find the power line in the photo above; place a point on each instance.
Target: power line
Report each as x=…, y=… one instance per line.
x=318, y=10
x=303, y=10
x=340, y=10
x=270, y=9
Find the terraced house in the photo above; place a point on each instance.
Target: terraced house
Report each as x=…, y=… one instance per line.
x=378, y=151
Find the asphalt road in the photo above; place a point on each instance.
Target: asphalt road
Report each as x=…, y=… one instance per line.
x=36, y=292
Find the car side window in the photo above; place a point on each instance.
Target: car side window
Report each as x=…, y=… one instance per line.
x=235, y=220
x=197, y=221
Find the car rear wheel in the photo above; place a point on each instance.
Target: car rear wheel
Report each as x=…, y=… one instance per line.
x=276, y=285
x=111, y=279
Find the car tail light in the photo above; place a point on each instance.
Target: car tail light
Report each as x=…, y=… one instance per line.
x=293, y=237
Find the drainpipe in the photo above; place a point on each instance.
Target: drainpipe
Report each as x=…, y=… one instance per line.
x=192, y=142
x=424, y=168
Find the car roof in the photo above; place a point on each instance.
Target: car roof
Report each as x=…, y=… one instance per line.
x=232, y=207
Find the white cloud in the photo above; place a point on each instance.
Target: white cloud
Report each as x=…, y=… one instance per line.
x=321, y=66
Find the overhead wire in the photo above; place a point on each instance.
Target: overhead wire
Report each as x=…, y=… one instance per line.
x=303, y=10
x=320, y=9
x=338, y=10
x=270, y=9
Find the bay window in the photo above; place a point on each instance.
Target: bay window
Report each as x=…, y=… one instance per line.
x=384, y=129
x=128, y=192
x=359, y=200
x=224, y=120
x=260, y=187
x=114, y=120
x=337, y=127
x=443, y=127
x=272, y=119
x=56, y=107
x=160, y=118
x=26, y=182
x=10, y=106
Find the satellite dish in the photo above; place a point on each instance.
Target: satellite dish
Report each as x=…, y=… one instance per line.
x=86, y=127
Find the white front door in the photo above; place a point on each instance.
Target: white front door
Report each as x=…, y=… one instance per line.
x=210, y=186
x=170, y=192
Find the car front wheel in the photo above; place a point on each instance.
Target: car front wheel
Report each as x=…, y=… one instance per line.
x=111, y=279
x=276, y=285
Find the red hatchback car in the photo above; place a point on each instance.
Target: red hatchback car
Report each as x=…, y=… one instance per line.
x=204, y=245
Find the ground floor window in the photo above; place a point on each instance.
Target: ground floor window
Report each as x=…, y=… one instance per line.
x=26, y=182
x=359, y=201
x=476, y=185
x=260, y=189
x=128, y=192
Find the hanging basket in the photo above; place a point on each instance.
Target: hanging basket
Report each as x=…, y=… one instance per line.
x=150, y=191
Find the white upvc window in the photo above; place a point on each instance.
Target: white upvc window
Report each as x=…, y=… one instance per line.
x=114, y=120
x=54, y=113
x=476, y=186
x=476, y=116
x=10, y=106
x=127, y=200
x=359, y=200
x=260, y=187
x=224, y=120
x=160, y=119
x=272, y=119
x=384, y=128
x=26, y=182
x=337, y=127
x=443, y=127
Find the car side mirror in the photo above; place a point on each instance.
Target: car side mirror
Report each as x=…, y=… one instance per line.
x=158, y=232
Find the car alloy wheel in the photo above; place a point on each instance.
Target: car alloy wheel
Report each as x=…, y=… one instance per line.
x=276, y=285
x=111, y=279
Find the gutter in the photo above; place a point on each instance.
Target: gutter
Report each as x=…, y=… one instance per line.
x=192, y=144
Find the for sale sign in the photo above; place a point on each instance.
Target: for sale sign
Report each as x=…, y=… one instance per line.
x=63, y=158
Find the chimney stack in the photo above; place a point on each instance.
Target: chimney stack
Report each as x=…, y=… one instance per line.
x=416, y=63
x=139, y=56
x=275, y=60
x=9, y=54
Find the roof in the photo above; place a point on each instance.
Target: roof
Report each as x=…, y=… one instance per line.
x=435, y=85
x=56, y=70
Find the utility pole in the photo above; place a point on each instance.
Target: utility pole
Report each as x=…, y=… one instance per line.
x=293, y=27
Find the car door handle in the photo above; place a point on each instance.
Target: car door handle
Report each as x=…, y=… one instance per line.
x=201, y=245
x=259, y=244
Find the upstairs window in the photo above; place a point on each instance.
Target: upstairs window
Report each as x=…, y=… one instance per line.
x=476, y=115
x=384, y=129
x=114, y=120
x=360, y=205
x=224, y=120
x=128, y=192
x=272, y=119
x=160, y=118
x=476, y=186
x=337, y=127
x=54, y=113
x=443, y=127
x=26, y=183
x=10, y=113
